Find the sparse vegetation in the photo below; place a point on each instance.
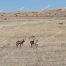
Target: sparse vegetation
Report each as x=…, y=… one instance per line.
x=2, y=15
x=5, y=18
x=16, y=15
x=52, y=40
x=64, y=15
x=60, y=23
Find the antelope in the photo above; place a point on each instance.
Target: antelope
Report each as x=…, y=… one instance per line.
x=36, y=45
x=32, y=42
x=20, y=43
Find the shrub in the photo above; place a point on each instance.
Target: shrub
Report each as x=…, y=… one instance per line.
x=5, y=18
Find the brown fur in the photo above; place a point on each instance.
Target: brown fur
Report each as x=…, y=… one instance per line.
x=20, y=43
x=32, y=42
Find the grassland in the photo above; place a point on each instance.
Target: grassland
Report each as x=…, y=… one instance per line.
x=51, y=35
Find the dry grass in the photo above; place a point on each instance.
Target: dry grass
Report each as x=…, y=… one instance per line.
x=51, y=37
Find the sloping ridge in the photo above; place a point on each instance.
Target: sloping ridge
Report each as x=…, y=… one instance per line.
x=45, y=13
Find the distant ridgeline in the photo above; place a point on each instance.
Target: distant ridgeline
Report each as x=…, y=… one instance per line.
x=38, y=13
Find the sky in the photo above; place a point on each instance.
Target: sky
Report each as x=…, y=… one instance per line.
x=18, y=5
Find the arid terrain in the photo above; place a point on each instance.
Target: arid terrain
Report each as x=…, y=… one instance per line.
x=50, y=32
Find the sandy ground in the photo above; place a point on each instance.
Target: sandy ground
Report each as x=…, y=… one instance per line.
x=49, y=31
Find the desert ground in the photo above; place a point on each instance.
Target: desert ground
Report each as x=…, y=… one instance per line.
x=51, y=35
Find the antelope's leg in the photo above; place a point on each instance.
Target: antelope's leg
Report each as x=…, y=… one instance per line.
x=31, y=45
x=16, y=45
x=20, y=45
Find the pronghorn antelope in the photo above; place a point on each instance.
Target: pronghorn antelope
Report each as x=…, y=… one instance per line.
x=33, y=43
x=20, y=43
